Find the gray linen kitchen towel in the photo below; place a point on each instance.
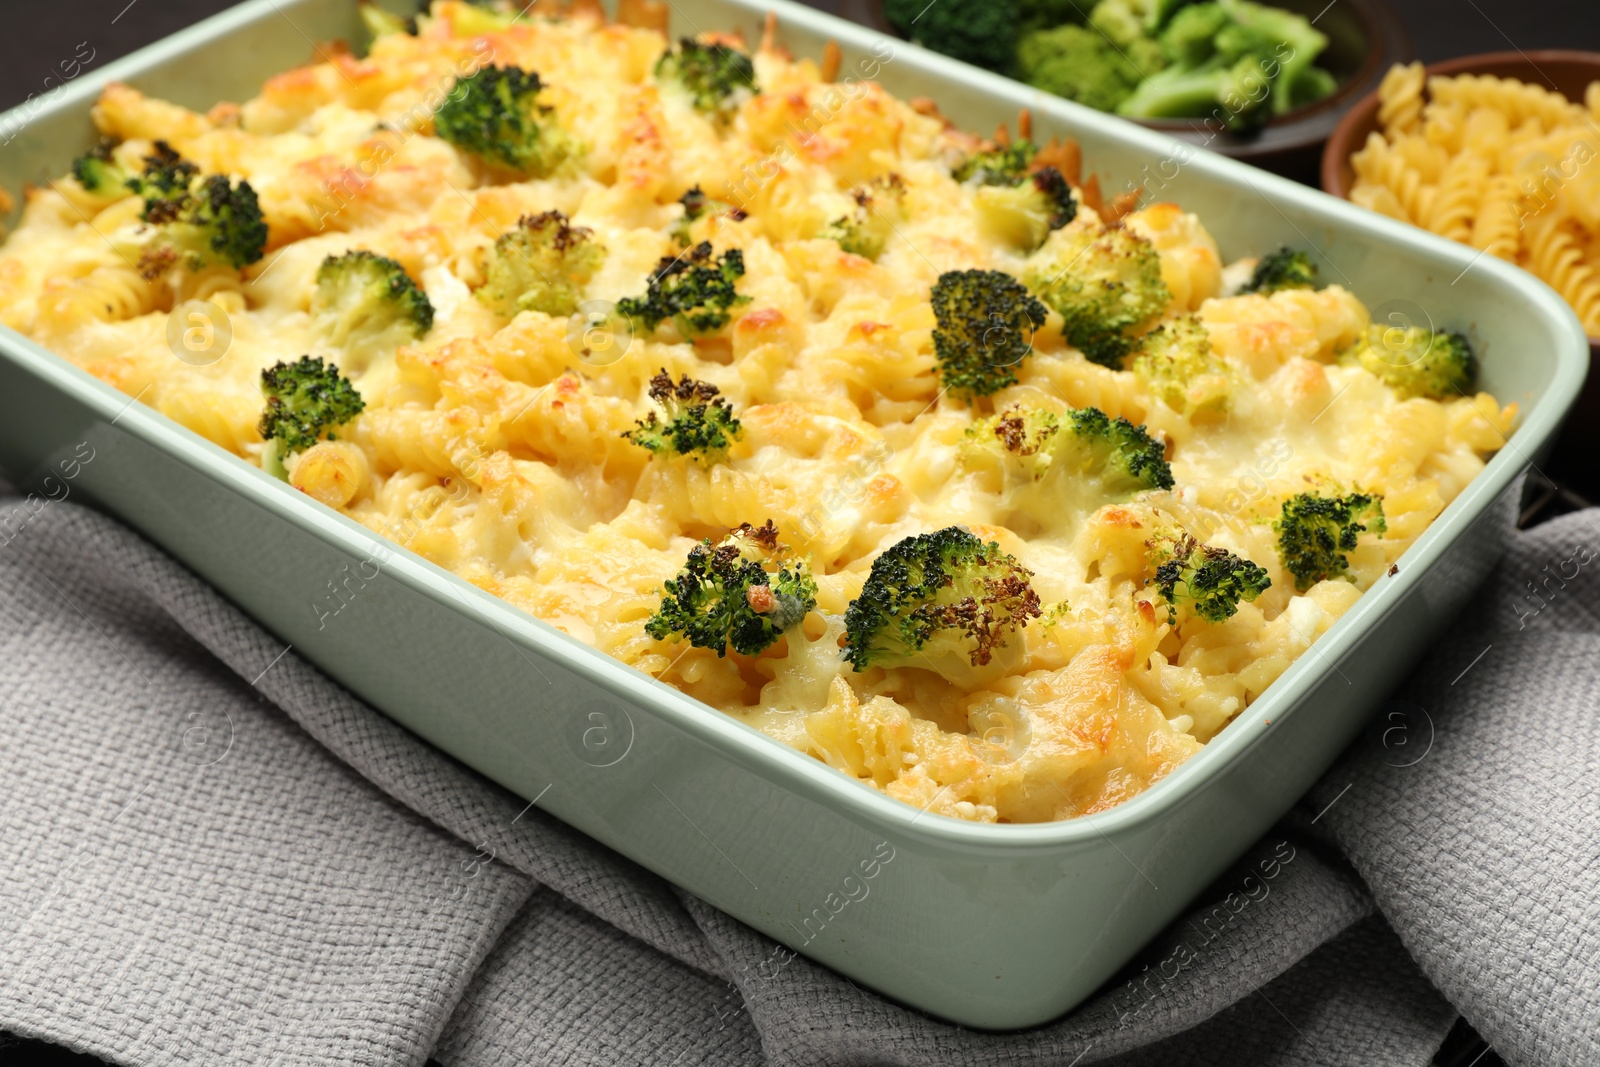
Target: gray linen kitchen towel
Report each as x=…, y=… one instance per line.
x=210, y=853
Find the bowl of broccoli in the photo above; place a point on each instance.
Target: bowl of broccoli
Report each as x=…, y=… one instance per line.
x=1266, y=82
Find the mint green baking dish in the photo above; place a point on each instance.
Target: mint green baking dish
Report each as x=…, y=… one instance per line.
x=996, y=927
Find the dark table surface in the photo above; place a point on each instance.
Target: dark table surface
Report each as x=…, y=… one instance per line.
x=44, y=39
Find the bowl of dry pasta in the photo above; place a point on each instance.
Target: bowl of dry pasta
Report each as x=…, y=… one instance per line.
x=1498, y=151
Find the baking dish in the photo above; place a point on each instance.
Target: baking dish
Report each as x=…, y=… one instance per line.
x=990, y=926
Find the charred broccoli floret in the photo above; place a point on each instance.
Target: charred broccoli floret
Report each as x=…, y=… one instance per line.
x=495, y=114
x=696, y=206
x=694, y=290
x=1024, y=437
x=192, y=221
x=1286, y=268
x=366, y=304
x=1123, y=456
x=698, y=421
x=1023, y=214
x=1210, y=582
x=716, y=77
x=1015, y=204
x=1416, y=361
x=1315, y=533
x=946, y=601
x=1104, y=283
x=542, y=265
x=99, y=171
x=306, y=401
x=1005, y=164
x=743, y=593
x=985, y=328
x=867, y=229
x=1052, y=470
x=1177, y=364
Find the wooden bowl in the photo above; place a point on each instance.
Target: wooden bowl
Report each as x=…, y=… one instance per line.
x=1569, y=73
x=1365, y=38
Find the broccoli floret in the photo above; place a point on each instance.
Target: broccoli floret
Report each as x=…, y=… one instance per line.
x=1177, y=364
x=694, y=290
x=1286, y=268
x=1238, y=62
x=867, y=229
x=477, y=17
x=743, y=592
x=495, y=114
x=542, y=265
x=99, y=172
x=1123, y=24
x=1077, y=63
x=382, y=23
x=1053, y=470
x=1191, y=37
x=1236, y=93
x=1315, y=532
x=696, y=206
x=1283, y=43
x=1005, y=164
x=1023, y=438
x=1161, y=12
x=716, y=77
x=166, y=181
x=1416, y=361
x=980, y=32
x=985, y=328
x=1209, y=581
x=1024, y=214
x=1104, y=283
x=1083, y=445
x=945, y=601
x=306, y=400
x=1042, y=14
x=192, y=221
x=1119, y=21
x=366, y=304
x=698, y=423
x=1309, y=85
x=1123, y=456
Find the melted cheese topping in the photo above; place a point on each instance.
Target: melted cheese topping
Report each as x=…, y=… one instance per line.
x=495, y=448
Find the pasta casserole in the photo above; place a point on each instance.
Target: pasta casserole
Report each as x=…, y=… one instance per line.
x=903, y=446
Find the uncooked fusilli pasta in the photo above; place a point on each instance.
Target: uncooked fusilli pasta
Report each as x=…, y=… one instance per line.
x=1496, y=163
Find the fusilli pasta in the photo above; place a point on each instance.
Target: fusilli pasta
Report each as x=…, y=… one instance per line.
x=1496, y=163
